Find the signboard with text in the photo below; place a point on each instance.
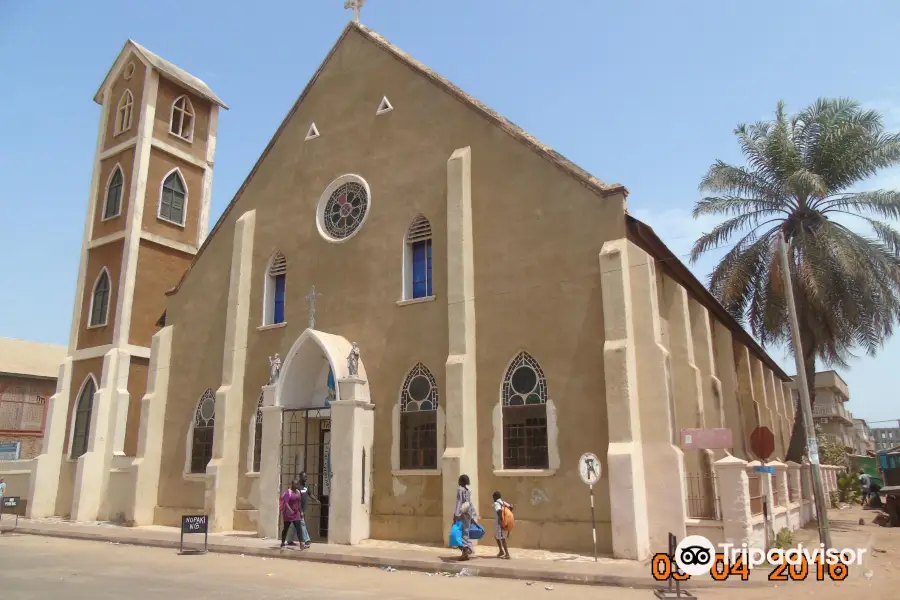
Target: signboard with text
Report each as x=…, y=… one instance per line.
x=195, y=524
x=707, y=439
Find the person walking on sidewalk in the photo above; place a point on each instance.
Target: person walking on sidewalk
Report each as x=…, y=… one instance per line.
x=305, y=495
x=290, y=511
x=499, y=533
x=466, y=514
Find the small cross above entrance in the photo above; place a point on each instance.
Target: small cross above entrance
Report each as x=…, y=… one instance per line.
x=355, y=5
x=311, y=298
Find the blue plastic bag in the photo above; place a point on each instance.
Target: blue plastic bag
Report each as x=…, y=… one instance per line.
x=456, y=535
x=476, y=531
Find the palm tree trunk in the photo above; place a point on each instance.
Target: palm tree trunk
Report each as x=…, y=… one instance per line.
x=797, y=446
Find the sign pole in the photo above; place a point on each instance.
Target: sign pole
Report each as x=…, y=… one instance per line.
x=805, y=404
x=593, y=522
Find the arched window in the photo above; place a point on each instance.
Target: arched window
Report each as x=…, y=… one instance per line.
x=100, y=300
x=524, y=401
x=202, y=432
x=257, y=436
x=113, y=205
x=82, y=427
x=417, y=260
x=274, y=290
x=173, y=198
x=123, y=113
x=418, y=420
x=182, y=122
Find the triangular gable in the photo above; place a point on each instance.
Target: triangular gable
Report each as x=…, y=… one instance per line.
x=166, y=68
x=591, y=182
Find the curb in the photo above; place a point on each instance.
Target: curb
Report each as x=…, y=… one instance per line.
x=406, y=564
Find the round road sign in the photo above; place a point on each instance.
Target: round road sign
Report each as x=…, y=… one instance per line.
x=589, y=468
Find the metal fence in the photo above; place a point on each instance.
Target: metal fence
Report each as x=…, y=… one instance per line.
x=701, y=495
x=755, y=493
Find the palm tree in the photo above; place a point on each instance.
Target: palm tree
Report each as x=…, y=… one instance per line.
x=798, y=179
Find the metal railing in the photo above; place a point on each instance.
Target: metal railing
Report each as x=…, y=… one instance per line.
x=832, y=410
x=702, y=499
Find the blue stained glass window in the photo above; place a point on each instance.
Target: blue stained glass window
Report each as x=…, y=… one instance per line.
x=421, y=259
x=279, y=298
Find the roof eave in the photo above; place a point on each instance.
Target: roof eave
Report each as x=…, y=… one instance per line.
x=662, y=252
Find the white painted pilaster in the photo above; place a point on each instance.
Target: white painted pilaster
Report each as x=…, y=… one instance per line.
x=88, y=225
x=45, y=476
x=461, y=453
x=223, y=469
x=203, y=228
x=137, y=193
x=148, y=463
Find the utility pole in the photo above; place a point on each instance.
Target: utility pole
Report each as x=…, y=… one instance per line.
x=805, y=405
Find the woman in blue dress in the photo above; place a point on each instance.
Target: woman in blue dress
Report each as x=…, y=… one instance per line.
x=466, y=513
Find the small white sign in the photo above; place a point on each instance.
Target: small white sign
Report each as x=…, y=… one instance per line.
x=589, y=468
x=812, y=450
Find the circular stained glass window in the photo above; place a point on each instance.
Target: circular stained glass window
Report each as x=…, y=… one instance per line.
x=419, y=388
x=345, y=210
x=524, y=380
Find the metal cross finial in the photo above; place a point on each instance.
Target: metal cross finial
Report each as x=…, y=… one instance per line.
x=311, y=297
x=355, y=5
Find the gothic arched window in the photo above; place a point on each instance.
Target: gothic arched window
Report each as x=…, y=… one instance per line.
x=418, y=420
x=113, y=204
x=173, y=198
x=182, y=121
x=202, y=429
x=275, y=290
x=524, y=401
x=417, y=260
x=81, y=429
x=100, y=300
x=123, y=113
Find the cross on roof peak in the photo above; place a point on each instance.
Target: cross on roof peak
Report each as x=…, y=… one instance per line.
x=356, y=5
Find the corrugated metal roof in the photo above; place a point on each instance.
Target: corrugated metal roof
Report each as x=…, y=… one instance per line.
x=35, y=359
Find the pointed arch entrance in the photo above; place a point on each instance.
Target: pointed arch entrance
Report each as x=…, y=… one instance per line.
x=318, y=419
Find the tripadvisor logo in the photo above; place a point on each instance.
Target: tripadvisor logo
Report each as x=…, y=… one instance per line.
x=696, y=556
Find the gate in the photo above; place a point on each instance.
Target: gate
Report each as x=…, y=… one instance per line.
x=306, y=447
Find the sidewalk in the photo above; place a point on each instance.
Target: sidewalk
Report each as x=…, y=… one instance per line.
x=554, y=568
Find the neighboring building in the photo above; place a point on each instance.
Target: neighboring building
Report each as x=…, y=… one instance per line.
x=28, y=372
x=864, y=442
x=510, y=315
x=886, y=437
x=831, y=417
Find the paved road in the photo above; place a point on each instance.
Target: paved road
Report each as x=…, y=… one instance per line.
x=35, y=567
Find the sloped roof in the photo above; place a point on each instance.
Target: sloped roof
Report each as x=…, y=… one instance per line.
x=591, y=182
x=643, y=235
x=30, y=359
x=195, y=84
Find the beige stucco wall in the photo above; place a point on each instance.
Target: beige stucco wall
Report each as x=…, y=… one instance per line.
x=543, y=296
x=136, y=85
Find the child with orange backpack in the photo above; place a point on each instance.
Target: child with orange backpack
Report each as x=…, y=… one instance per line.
x=503, y=522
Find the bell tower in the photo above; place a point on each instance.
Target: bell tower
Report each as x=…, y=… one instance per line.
x=147, y=215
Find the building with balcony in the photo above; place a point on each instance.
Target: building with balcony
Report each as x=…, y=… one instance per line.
x=831, y=418
x=865, y=441
x=28, y=372
x=886, y=437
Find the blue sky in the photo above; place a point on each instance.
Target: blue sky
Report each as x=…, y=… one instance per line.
x=645, y=93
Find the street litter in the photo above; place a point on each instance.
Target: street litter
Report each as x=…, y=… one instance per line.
x=389, y=569
x=548, y=587
x=529, y=583
x=868, y=574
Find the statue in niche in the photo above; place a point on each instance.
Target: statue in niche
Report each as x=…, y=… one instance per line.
x=353, y=360
x=274, y=368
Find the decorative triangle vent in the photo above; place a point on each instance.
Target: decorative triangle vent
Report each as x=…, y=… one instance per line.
x=384, y=107
x=313, y=132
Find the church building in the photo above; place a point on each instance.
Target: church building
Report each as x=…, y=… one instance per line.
x=407, y=287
